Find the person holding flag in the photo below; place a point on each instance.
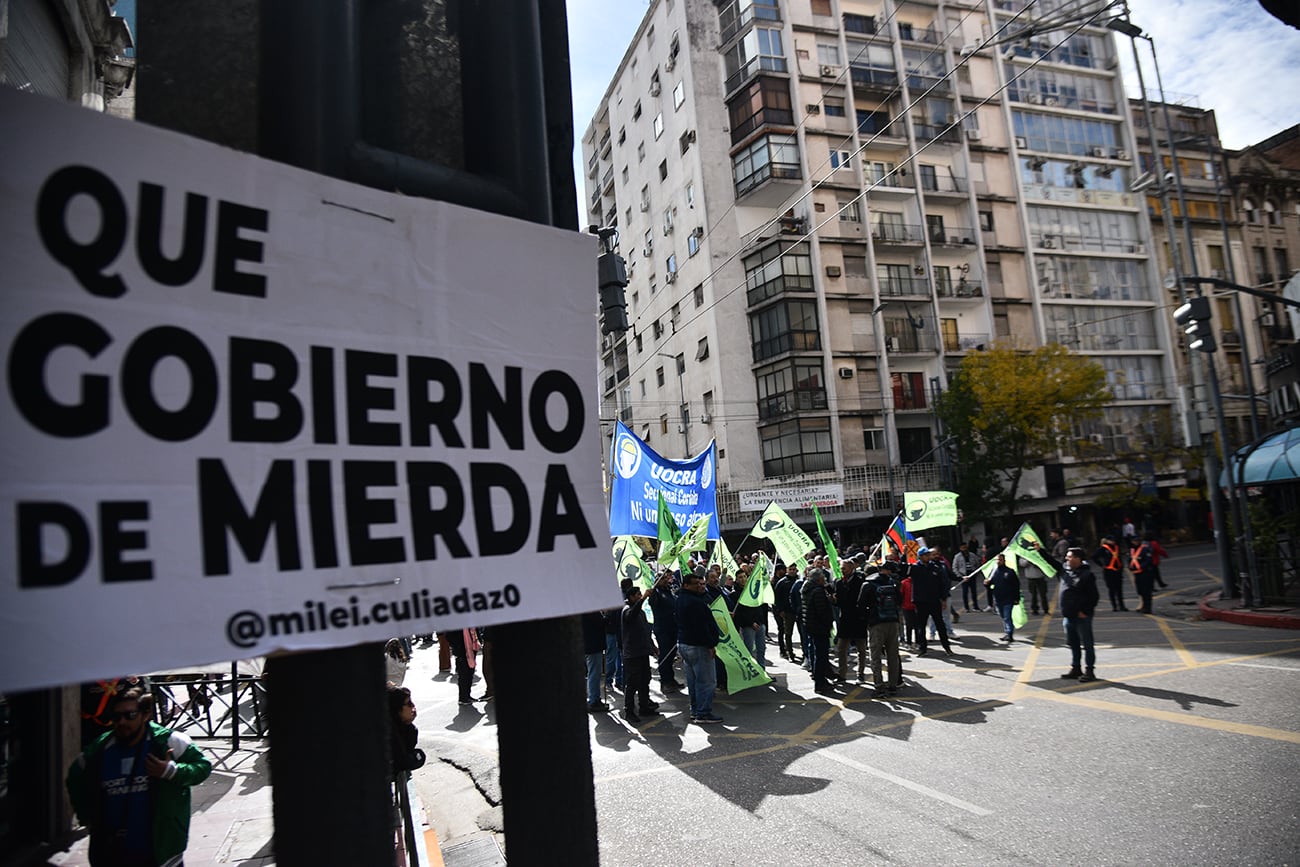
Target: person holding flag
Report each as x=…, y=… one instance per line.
x=663, y=604
x=1006, y=593
x=750, y=615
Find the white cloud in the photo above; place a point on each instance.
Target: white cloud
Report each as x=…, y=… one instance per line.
x=1227, y=55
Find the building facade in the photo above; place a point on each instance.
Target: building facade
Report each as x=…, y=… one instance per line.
x=825, y=205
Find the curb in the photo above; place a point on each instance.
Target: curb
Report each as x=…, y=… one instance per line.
x=1246, y=617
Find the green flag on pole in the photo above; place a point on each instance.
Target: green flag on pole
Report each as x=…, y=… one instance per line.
x=742, y=671
x=670, y=536
x=828, y=545
x=697, y=537
x=628, y=562
x=1022, y=546
x=986, y=571
x=791, y=543
x=925, y=509
x=722, y=557
x=758, y=588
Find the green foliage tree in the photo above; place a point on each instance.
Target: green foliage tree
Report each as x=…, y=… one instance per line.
x=1007, y=409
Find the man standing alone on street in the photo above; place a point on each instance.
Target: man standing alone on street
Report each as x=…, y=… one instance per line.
x=131, y=788
x=1077, y=602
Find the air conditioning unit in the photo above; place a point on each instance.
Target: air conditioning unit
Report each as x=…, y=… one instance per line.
x=1051, y=100
x=645, y=206
x=1048, y=244
x=1034, y=98
x=670, y=63
x=1098, y=152
x=1112, y=63
x=668, y=228
x=1021, y=142
x=655, y=88
x=833, y=270
x=968, y=49
x=705, y=418
x=699, y=231
x=893, y=344
x=846, y=373
x=1121, y=154
x=812, y=108
x=973, y=135
x=670, y=277
x=647, y=251
x=830, y=71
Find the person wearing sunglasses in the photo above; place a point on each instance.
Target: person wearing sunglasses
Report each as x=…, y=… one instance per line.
x=131, y=788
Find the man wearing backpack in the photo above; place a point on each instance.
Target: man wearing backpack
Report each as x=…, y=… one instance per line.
x=880, y=604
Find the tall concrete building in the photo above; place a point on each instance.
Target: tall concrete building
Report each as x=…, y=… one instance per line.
x=826, y=204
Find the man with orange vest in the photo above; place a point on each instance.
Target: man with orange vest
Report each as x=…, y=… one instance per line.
x=1144, y=578
x=1112, y=564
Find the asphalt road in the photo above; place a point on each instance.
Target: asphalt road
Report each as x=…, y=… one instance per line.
x=1185, y=751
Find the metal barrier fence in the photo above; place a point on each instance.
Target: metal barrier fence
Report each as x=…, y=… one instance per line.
x=213, y=705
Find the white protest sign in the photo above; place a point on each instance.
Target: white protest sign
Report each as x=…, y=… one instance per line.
x=248, y=408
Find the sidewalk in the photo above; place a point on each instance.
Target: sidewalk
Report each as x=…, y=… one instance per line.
x=1231, y=611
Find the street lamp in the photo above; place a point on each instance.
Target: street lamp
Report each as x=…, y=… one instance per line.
x=685, y=417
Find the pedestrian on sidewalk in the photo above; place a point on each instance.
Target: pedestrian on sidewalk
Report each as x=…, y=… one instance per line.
x=403, y=735
x=131, y=788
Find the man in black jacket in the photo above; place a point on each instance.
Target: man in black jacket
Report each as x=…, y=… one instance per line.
x=784, y=613
x=1078, y=602
x=637, y=648
x=697, y=641
x=818, y=618
x=930, y=586
x=664, y=606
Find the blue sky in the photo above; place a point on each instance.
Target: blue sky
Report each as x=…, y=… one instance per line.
x=1229, y=55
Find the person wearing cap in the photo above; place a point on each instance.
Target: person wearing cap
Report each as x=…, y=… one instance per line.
x=1006, y=593
x=929, y=587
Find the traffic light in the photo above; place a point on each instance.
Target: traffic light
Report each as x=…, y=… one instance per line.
x=613, y=300
x=1194, y=318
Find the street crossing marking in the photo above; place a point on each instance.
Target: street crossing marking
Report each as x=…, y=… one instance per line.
x=1183, y=653
x=1171, y=717
x=919, y=788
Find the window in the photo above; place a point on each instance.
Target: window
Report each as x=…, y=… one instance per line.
x=639, y=350
x=671, y=263
x=679, y=95
x=636, y=110
x=789, y=387
x=909, y=390
x=821, y=7
x=698, y=295
x=1271, y=213
x=859, y=23
x=659, y=124
x=622, y=134
x=840, y=159
x=663, y=422
x=833, y=107
x=1282, y=268
x=650, y=36
x=828, y=54
x=1064, y=135
x=778, y=268
x=690, y=194
x=763, y=101
x=759, y=51
x=768, y=157
x=850, y=210
x=1248, y=208
x=797, y=446
x=625, y=174
x=687, y=138
x=692, y=244
x=702, y=349
x=875, y=123
x=645, y=201
x=873, y=439
x=640, y=152
x=642, y=383
x=663, y=170
x=659, y=374
x=784, y=327
x=658, y=329
x=681, y=364
x=734, y=15
x=986, y=221
x=934, y=227
x=655, y=86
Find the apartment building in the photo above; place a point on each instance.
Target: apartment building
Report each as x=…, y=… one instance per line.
x=826, y=204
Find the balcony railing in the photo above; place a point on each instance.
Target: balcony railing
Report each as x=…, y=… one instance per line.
x=767, y=172
x=935, y=132
x=927, y=35
x=754, y=66
x=872, y=78
x=896, y=286
x=943, y=184
x=896, y=233
x=963, y=288
x=791, y=401
x=920, y=83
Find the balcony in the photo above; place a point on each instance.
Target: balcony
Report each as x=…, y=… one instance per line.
x=607, y=181
x=870, y=78
x=894, y=287
x=791, y=401
x=753, y=67
x=963, y=288
x=926, y=35
x=592, y=165
x=951, y=236
x=941, y=184
x=604, y=145
x=896, y=233
x=595, y=199
x=929, y=132
x=964, y=342
x=934, y=84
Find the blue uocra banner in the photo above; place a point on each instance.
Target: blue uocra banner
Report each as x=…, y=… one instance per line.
x=639, y=473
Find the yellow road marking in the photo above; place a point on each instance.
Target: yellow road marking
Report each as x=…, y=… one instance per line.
x=1170, y=716
x=1031, y=661
x=1183, y=653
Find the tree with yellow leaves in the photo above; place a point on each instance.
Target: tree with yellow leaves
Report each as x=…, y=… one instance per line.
x=1007, y=410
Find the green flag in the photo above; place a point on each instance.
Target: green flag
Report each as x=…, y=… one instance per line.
x=670, y=536
x=790, y=542
x=722, y=557
x=628, y=562
x=697, y=537
x=1022, y=545
x=925, y=509
x=758, y=588
x=828, y=545
x=742, y=671
x=986, y=571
